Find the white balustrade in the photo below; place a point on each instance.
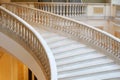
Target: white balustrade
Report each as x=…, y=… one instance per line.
x=118, y=11
x=74, y=10
x=115, y=2
x=64, y=9
x=24, y=34
x=69, y=27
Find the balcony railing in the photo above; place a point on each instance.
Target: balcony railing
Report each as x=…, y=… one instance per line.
x=115, y=2
x=74, y=10
x=69, y=27
x=118, y=11
x=23, y=33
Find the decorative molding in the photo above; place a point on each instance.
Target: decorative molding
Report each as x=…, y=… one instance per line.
x=98, y=10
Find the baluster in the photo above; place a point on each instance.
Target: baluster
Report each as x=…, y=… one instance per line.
x=60, y=9
x=51, y=6
x=82, y=10
x=57, y=9
x=38, y=15
x=14, y=27
x=45, y=7
x=73, y=13
x=104, y=40
x=100, y=39
x=11, y=24
x=20, y=31
x=70, y=10
x=32, y=43
x=75, y=8
x=66, y=6
x=29, y=39
x=33, y=17
x=64, y=9
x=118, y=50
x=17, y=28
x=45, y=20
x=115, y=48
x=30, y=15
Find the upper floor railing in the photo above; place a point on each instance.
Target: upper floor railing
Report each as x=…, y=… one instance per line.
x=69, y=27
x=24, y=34
x=118, y=11
x=115, y=2
x=74, y=10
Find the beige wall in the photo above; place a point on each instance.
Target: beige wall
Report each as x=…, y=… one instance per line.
x=11, y=68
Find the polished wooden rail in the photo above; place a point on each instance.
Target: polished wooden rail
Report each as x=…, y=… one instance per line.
x=24, y=34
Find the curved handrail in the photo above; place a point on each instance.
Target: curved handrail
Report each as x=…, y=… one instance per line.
x=70, y=27
x=30, y=39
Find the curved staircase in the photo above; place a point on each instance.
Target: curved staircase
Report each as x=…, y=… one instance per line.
x=76, y=60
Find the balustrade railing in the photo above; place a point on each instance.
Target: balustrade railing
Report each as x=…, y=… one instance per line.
x=24, y=34
x=77, y=11
x=72, y=28
x=64, y=9
x=69, y=27
x=118, y=11
x=115, y=2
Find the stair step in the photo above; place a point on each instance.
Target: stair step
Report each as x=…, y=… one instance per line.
x=116, y=77
x=54, y=39
x=112, y=74
x=83, y=72
x=79, y=62
x=86, y=68
x=61, y=43
x=76, y=61
x=73, y=53
x=84, y=64
x=67, y=48
x=47, y=35
x=78, y=58
x=107, y=75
